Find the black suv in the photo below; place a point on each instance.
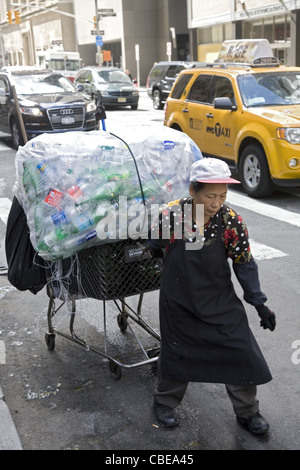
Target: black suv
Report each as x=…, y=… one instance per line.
x=161, y=78
x=48, y=102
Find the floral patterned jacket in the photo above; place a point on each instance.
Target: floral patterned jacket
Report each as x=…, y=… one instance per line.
x=234, y=234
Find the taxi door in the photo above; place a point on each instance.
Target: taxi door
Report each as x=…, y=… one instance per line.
x=193, y=108
x=220, y=124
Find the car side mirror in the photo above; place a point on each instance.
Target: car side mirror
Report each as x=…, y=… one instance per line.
x=224, y=103
x=80, y=87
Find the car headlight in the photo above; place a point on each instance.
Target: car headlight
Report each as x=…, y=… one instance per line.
x=91, y=107
x=31, y=111
x=291, y=134
x=135, y=93
x=104, y=93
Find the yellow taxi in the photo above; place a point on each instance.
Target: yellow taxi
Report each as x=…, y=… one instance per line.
x=245, y=109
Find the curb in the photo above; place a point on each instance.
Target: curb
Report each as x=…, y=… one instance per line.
x=9, y=438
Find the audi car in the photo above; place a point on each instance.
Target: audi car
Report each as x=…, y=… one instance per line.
x=47, y=101
x=115, y=86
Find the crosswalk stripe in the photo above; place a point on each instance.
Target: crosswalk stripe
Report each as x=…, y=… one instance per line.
x=5, y=205
x=2, y=353
x=261, y=251
x=264, y=209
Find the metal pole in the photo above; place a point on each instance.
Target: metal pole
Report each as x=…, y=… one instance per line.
x=99, y=51
x=20, y=118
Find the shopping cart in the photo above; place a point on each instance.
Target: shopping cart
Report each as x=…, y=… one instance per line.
x=112, y=271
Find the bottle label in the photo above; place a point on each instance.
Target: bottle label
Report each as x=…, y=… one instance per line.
x=54, y=237
x=53, y=198
x=83, y=221
x=87, y=237
x=75, y=192
x=169, y=144
x=59, y=218
x=42, y=167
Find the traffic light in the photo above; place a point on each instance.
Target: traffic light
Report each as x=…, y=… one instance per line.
x=9, y=17
x=95, y=22
x=17, y=17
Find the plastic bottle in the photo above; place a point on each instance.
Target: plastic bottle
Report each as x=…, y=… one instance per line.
x=68, y=246
x=47, y=243
x=33, y=180
x=108, y=191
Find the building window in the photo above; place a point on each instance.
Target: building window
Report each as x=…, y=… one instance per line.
x=214, y=34
x=276, y=28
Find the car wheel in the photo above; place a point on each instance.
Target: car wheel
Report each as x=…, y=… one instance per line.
x=134, y=106
x=157, y=104
x=16, y=134
x=254, y=172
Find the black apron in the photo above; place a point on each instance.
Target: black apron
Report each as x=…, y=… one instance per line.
x=204, y=327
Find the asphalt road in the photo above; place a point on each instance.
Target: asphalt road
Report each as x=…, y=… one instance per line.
x=68, y=399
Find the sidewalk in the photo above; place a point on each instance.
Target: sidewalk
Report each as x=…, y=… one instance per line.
x=9, y=438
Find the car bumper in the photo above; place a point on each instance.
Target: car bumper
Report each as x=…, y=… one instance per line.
x=35, y=132
x=115, y=101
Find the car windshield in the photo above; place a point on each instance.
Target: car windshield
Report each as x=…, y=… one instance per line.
x=270, y=89
x=114, y=76
x=42, y=84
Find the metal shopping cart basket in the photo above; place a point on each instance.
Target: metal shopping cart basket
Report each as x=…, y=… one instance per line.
x=112, y=271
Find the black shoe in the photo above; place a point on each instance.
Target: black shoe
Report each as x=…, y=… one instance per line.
x=164, y=415
x=255, y=424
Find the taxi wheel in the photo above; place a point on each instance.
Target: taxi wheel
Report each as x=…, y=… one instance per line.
x=254, y=172
x=157, y=104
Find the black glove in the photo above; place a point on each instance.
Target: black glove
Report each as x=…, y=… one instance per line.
x=268, y=319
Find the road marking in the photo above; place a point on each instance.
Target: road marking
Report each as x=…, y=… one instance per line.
x=264, y=209
x=261, y=251
x=2, y=353
x=5, y=205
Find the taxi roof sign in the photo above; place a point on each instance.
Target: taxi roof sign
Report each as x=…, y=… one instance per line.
x=247, y=51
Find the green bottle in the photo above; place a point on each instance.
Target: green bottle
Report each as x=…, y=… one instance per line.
x=106, y=192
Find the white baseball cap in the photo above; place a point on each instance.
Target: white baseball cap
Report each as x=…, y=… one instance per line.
x=211, y=170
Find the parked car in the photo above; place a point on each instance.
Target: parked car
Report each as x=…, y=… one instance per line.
x=161, y=79
x=113, y=83
x=243, y=109
x=48, y=102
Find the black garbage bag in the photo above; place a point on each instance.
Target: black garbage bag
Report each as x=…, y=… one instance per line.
x=26, y=269
x=100, y=111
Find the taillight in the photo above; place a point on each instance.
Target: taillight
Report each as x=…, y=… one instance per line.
x=147, y=82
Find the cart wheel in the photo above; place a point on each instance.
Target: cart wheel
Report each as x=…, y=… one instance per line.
x=153, y=353
x=50, y=341
x=122, y=321
x=115, y=370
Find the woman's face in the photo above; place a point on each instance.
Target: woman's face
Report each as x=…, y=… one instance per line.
x=212, y=196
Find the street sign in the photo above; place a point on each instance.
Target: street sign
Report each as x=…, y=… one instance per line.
x=94, y=32
x=99, y=41
x=105, y=10
x=107, y=14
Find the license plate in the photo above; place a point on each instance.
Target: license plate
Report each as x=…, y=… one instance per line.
x=67, y=120
x=122, y=100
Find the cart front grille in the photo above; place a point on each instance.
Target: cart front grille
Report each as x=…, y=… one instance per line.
x=110, y=271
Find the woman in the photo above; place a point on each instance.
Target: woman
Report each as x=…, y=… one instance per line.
x=205, y=336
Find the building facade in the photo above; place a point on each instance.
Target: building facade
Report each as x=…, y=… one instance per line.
x=141, y=32
x=278, y=21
